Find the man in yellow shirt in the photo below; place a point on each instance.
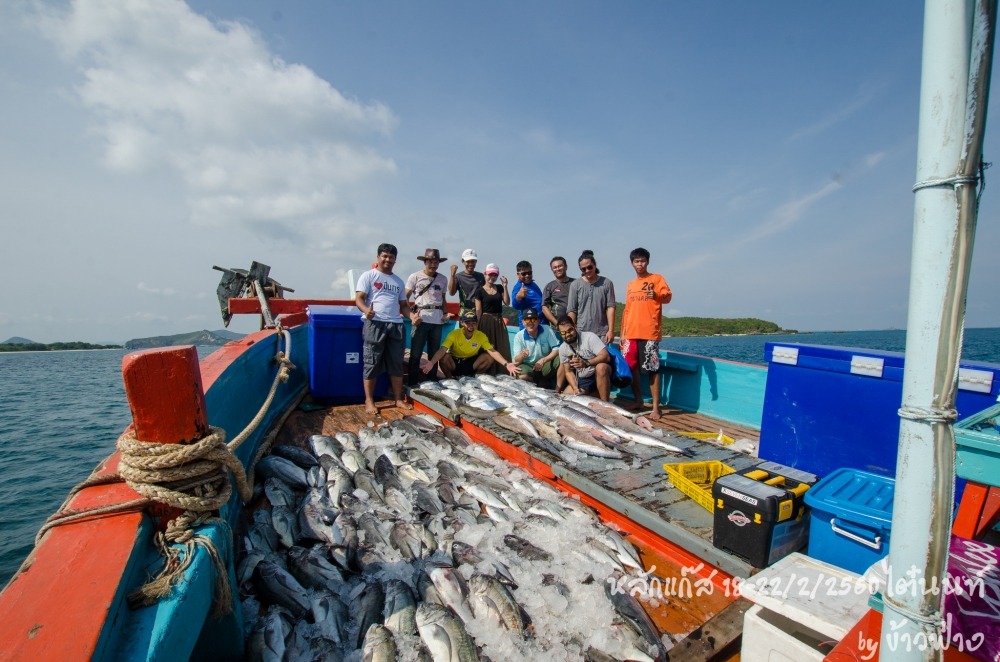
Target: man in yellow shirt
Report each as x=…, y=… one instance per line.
x=642, y=322
x=467, y=351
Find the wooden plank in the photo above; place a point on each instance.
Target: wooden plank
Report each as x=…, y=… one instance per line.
x=718, y=639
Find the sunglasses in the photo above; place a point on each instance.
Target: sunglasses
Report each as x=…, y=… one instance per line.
x=523, y=273
x=587, y=269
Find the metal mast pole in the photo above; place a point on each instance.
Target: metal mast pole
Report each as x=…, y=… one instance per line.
x=958, y=38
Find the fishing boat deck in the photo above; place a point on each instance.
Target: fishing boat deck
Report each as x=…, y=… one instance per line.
x=703, y=616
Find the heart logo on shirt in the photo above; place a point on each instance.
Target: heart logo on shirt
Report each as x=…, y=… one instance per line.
x=378, y=285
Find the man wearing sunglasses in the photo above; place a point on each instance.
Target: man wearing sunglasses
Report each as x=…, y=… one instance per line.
x=592, y=300
x=526, y=293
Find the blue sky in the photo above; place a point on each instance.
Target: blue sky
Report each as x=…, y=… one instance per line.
x=763, y=152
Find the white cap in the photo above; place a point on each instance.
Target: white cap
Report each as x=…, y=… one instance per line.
x=491, y=269
x=469, y=254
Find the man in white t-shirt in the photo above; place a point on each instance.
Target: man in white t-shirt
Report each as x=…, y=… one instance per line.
x=381, y=298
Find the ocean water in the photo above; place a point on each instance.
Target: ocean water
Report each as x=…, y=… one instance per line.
x=62, y=412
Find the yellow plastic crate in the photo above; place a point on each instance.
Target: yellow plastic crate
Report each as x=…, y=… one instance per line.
x=695, y=479
x=721, y=437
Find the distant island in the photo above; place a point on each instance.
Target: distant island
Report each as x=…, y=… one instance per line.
x=25, y=345
x=215, y=338
x=204, y=337
x=695, y=326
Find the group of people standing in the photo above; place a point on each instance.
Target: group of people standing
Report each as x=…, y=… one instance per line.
x=565, y=327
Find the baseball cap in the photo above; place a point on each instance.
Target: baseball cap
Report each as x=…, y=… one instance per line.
x=469, y=316
x=530, y=314
x=469, y=254
x=491, y=269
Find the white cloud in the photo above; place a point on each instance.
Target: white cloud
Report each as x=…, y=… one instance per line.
x=146, y=317
x=164, y=291
x=253, y=138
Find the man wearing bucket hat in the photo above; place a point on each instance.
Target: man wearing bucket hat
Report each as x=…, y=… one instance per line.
x=465, y=282
x=428, y=313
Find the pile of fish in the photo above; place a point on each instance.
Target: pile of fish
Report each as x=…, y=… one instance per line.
x=562, y=425
x=409, y=542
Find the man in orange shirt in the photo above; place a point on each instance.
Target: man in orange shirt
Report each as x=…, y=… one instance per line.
x=642, y=326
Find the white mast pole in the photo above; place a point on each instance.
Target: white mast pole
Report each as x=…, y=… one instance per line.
x=952, y=107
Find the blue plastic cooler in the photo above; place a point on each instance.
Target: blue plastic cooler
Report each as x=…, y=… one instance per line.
x=335, y=355
x=832, y=407
x=851, y=518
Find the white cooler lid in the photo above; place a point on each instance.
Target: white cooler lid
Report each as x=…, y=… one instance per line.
x=820, y=596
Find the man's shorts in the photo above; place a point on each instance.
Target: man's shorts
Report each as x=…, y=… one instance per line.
x=588, y=384
x=547, y=368
x=465, y=367
x=383, y=350
x=642, y=353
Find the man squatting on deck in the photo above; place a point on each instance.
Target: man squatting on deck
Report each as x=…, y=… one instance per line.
x=471, y=351
x=642, y=324
x=381, y=298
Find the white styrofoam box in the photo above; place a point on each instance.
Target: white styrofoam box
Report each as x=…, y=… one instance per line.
x=771, y=637
x=821, y=597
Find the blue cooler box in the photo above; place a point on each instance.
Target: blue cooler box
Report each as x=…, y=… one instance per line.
x=335, y=358
x=832, y=407
x=851, y=518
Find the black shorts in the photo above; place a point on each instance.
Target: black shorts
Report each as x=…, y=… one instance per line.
x=465, y=367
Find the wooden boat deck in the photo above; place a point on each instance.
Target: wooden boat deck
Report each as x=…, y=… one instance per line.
x=703, y=617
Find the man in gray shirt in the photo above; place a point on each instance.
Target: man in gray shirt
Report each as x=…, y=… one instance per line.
x=592, y=300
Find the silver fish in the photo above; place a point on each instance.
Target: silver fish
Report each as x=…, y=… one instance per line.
x=353, y=460
x=367, y=603
x=440, y=397
x=444, y=635
x=426, y=499
x=279, y=493
x=330, y=614
x=348, y=440
x=372, y=528
x=525, y=549
x=338, y=482
x=280, y=587
x=317, y=519
x=275, y=628
x=379, y=646
x=400, y=609
x=322, y=444
x=457, y=436
x=272, y=466
x=283, y=521
x=299, y=456
x=515, y=424
x=629, y=608
x=412, y=473
x=580, y=440
x=451, y=587
x=406, y=540
x=491, y=599
x=312, y=568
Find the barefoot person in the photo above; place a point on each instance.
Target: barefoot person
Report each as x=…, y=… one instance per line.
x=428, y=289
x=381, y=298
x=584, y=362
x=470, y=351
x=642, y=328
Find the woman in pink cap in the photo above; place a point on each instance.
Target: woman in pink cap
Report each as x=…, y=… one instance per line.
x=490, y=300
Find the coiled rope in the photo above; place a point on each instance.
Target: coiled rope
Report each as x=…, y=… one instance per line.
x=191, y=477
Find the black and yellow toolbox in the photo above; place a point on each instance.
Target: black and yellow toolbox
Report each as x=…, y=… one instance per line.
x=760, y=514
